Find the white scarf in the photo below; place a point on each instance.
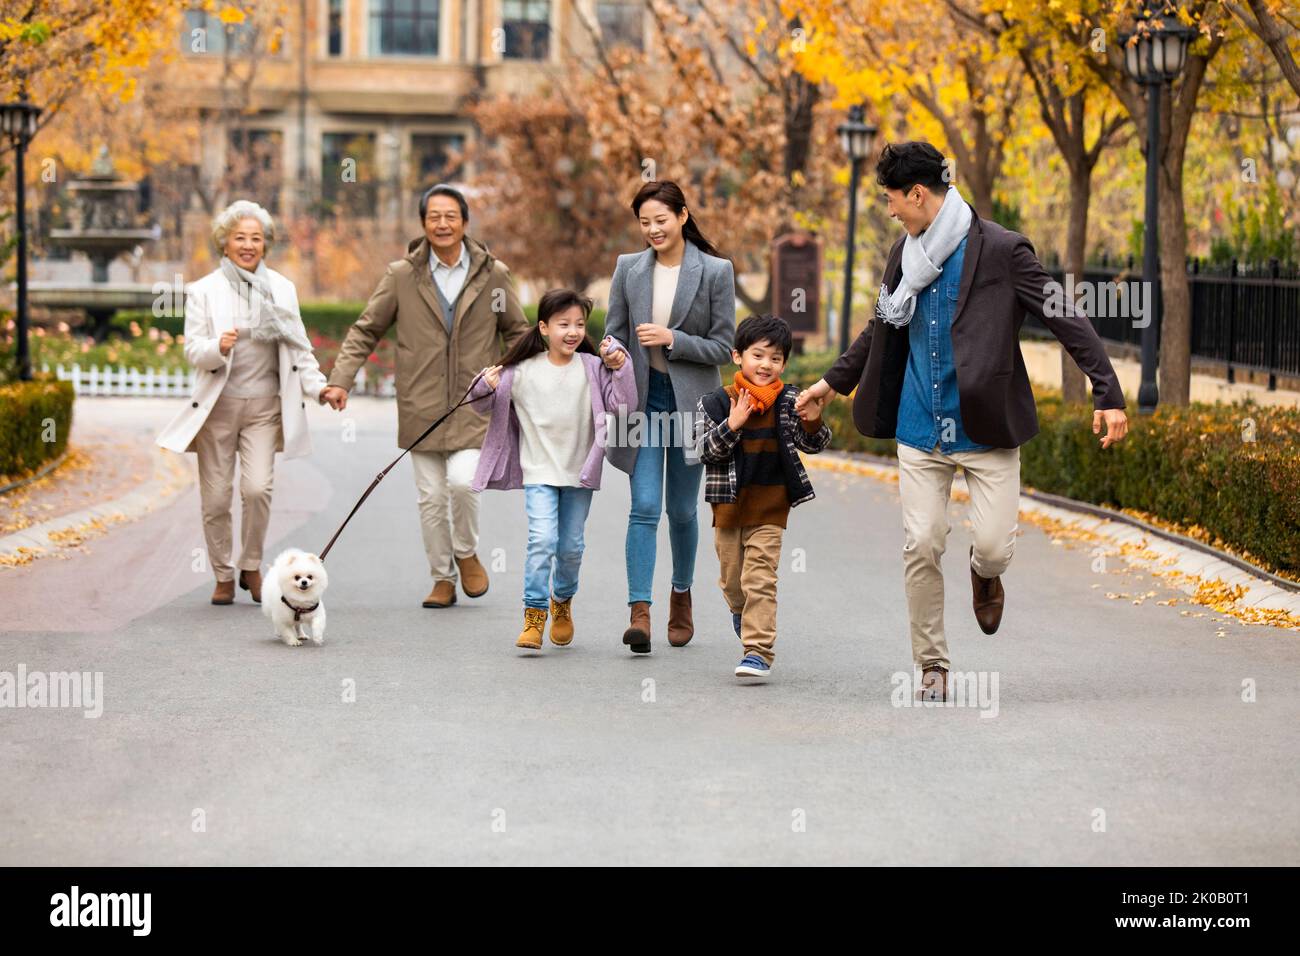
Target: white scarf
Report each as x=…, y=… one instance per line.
x=923, y=258
x=268, y=320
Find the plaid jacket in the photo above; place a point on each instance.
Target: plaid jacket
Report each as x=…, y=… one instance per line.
x=716, y=443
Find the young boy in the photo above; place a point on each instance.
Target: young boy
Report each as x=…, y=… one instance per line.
x=749, y=435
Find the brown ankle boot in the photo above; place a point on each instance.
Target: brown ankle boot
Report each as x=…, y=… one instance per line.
x=251, y=581
x=934, y=684
x=442, y=595
x=680, y=626
x=473, y=576
x=987, y=597
x=224, y=593
x=637, y=635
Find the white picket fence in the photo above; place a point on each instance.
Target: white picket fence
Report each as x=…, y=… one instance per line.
x=157, y=383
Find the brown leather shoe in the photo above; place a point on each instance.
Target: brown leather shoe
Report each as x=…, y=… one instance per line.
x=251, y=581
x=637, y=635
x=442, y=595
x=680, y=626
x=934, y=684
x=224, y=593
x=988, y=598
x=473, y=576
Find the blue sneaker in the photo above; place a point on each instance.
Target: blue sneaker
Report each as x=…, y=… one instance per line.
x=753, y=666
x=735, y=622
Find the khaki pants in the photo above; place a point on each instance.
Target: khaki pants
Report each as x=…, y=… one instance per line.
x=924, y=485
x=251, y=428
x=448, y=507
x=749, y=559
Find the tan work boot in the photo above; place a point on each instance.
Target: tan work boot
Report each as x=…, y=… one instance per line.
x=473, y=576
x=680, y=626
x=224, y=593
x=442, y=595
x=637, y=635
x=251, y=581
x=531, y=636
x=562, y=622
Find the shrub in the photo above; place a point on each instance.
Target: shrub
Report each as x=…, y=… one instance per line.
x=31, y=413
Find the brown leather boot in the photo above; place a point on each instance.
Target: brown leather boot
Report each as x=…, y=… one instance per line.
x=442, y=595
x=473, y=576
x=637, y=635
x=224, y=593
x=988, y=598
x=251, y=581
x=530, y=638
x=934, y=684
x=680, y=626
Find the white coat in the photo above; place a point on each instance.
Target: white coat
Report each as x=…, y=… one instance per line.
x=210, y=305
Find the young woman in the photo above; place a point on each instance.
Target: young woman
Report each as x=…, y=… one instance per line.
x=551, y=396
x=674, y=307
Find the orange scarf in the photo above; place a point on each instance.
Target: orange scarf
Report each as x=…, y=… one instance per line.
x=763, y=396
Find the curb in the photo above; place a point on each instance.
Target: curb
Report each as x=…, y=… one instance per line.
x=1141, y=543
x=38, y=541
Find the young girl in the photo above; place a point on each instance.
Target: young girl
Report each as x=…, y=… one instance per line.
x=551, y=395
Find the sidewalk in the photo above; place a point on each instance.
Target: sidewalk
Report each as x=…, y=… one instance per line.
x=113, y=473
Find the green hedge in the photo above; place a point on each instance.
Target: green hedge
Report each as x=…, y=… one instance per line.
x=1193, y=466
x=25, y=409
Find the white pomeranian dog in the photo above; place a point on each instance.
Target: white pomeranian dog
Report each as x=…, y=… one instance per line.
x=292, y=597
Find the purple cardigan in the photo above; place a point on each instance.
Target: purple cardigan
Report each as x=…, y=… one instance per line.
x=499, y=468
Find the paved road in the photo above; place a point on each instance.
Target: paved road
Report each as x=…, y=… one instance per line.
x=458, y=749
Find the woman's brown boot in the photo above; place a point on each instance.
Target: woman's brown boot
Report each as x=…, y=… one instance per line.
x=224, y=593
x=681, y=628
x=637, y=635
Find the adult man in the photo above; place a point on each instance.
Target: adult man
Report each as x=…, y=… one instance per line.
x=456, y=313
x=940, y=369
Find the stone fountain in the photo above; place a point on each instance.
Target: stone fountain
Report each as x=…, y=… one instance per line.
x=103, y=227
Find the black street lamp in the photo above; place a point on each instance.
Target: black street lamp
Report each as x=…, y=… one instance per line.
x=18, y=126
x=857, y=138
x=1154, y=54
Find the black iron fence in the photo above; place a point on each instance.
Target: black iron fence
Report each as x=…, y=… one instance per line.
x=1242, y=318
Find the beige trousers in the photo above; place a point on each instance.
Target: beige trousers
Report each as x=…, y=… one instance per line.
x=749, y=559
x=251, y=428
x=448, y=507
x=924, y=486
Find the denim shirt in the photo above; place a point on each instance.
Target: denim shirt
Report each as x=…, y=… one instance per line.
x=929, y=413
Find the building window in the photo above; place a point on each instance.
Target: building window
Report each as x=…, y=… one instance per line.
x=404, y=27
x=348, y=180
x=205, y=33
x=621, y=23
x=254, y=164
x=334, y=28
x=435, y=158
x=527, y=27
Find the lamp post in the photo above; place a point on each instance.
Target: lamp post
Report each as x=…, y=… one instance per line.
x=857, y=138
x=1154, y=54
x=18, y=126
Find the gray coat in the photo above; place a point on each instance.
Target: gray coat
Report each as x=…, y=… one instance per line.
x=703, y=321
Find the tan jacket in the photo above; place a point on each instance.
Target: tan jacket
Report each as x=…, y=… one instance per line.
x=434, y=370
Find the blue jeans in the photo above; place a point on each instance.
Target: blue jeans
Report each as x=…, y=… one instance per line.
x=683, y=480
x=556, y=517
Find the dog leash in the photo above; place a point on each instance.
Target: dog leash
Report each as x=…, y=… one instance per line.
x=465, y=400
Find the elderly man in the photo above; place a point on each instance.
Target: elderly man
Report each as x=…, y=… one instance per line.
x=456, y=313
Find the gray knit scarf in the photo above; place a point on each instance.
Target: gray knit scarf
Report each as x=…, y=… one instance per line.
x=923, y=259
x=268, y=320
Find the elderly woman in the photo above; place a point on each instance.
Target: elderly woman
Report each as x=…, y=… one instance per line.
x=254, y=371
